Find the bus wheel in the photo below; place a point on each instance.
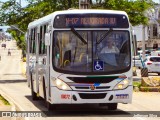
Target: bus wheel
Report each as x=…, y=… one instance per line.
x=34, y=95
x=112, y=106
x=103, y=104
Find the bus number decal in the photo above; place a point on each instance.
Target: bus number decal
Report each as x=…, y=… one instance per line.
x=122, y=96
x=65, y=96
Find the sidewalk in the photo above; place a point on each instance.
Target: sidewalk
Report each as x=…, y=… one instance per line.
x=13, y=105
x=8, y=108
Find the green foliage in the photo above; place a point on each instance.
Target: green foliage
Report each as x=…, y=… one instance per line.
x=137, y=84
x=12, y=13
x=146, y=89
x=134, y=8
x=24, y=59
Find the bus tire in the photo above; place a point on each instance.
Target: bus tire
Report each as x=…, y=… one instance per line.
x=34, y=95
x=112, y=106
x=47, y=104
x=103, y=104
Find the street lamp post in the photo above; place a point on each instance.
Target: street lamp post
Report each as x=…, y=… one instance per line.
x=143, y=42
x=14, y=27
x=84, y=4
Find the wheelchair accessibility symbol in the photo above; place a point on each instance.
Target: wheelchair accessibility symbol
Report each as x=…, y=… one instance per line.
x=98, y=65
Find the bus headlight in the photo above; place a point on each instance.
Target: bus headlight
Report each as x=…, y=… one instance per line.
x=61, y=85
x=122, y=85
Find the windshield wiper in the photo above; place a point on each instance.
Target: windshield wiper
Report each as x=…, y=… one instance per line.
x=78, y=35
x=106, y=34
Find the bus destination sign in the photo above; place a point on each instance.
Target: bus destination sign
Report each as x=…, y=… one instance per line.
x=91, y=21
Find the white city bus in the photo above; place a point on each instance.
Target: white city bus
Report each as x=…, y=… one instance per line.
x=65, y=64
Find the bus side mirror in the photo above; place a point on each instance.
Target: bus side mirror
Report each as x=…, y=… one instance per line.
x=47, y=39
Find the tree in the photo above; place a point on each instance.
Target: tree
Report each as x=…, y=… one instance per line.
x=134, y=8
x=12, y=13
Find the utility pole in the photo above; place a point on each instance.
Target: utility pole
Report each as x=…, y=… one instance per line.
x=84, y=4
x=143, y=42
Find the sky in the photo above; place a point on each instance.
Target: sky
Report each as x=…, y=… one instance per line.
x=157, y=1
x=23, y=2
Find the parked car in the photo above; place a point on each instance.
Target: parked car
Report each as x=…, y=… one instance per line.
x=153, y=64
x=138, y=61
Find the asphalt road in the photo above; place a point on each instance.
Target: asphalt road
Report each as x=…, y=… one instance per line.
x=14, y=85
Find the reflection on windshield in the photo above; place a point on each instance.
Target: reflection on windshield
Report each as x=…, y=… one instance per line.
x=104, y=36
x=73, y=55
x=78, y=35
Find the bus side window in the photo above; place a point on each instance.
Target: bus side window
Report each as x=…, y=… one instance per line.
x=33, y=40
x=30, y=43
x=40, y=42
x=42, y=47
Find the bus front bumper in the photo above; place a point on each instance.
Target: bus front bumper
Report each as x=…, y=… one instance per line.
x=81, y=97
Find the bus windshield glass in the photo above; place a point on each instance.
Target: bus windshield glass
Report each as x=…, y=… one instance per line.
x=103, y=52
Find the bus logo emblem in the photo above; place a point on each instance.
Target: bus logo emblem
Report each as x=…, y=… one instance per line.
x=92, y=87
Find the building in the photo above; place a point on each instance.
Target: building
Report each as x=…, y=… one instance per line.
x=152, y=31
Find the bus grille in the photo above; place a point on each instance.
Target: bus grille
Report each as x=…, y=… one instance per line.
x=98, y=87
x=92, y=95
x=105, y=79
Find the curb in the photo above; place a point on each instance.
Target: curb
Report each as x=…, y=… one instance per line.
x=13, y=103
x=13, y=107
x=150, y=89
x=136, y=78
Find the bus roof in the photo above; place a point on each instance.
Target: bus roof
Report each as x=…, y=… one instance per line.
x=49, y=17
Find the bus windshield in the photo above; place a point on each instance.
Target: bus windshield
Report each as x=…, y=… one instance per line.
x=104, y=52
